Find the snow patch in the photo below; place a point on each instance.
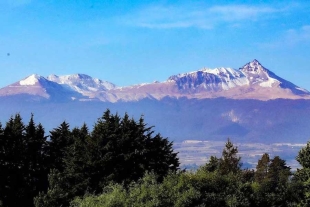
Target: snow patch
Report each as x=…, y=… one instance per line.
x=302, y=89
x=217, y=78
x=30, y=81
x=268, y=83
x=82, y=83
x=231, y=115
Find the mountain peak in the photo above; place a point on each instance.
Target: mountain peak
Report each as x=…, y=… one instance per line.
x=209, y=79
x=253, y=67
x=31, y=80
x=255, y=61
x=82, y=83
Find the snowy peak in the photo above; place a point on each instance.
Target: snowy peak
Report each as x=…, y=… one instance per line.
x=210, y=79
x=82, y=83
x=36, y=81
x=259, y=75
x=37, y=86
x=252, y=81
x=253, y=67
x=253, y=78
x=31, y=80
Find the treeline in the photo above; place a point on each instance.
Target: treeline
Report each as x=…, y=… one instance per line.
x=122, y=163
x=219, y=183
x=50, y=171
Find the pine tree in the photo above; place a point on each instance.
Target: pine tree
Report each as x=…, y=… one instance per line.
x=60, y=139
x=76, y=162
x=34, y=165
x=12, y=167
x=230, y=161
x=278, y=171
x=118, y=150
x=262, y=168
x=303, y=175
x=212, y=165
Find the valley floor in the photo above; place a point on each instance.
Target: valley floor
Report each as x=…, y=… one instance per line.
x=193, y=153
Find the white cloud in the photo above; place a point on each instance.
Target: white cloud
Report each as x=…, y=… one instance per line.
x=290, y=38
x=241, y=12
x=295, y=36
x=163, y=17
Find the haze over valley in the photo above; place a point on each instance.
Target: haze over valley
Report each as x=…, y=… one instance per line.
x=251, y=105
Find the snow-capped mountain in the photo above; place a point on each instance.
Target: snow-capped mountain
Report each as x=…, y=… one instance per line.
x=251, y=74
x=252, y=81
x=258, y=74
x=249, y=103
x=36, y=85
x=82, y=83
x=210, y=79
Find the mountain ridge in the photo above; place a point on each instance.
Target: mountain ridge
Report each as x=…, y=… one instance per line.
x=249, y=104
x=252, y=81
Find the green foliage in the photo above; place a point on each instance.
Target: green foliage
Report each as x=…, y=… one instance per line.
x=114, y=195
x=303, y=156
x=60, y=140
x=121, y=162
x=262, y=168
x=230, y=161
x=272, y=185
x=303, y=175
x=175, y=190
x=22, y=162
x=118, y=150
x=212, y=165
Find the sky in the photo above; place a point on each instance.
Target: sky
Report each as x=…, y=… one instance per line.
x=130, y=42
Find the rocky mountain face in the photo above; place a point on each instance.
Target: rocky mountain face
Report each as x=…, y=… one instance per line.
x=81, y=83
x=210, y=80
x=252, y=81
x=258, y=75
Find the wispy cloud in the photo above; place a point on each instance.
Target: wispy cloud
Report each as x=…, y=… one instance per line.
x=295, y=36
x=242, y=12
x=164, y=17
x=290, y=38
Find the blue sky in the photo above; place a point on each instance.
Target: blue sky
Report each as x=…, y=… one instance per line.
x=129, y=42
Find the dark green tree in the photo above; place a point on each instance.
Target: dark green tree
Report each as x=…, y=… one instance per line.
x=57, y=193
x=60, y=139
x=13, y=189
x=272, y=187
x=22, y=164
x=35, y=168
x=262, y=168
x=73, y=180
x=279, y=172
x=118, y=150
x=303, y=175
x=230, y=161
x=212, y=165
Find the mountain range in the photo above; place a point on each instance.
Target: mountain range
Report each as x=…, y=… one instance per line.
x=252, y=81
x=249, y=104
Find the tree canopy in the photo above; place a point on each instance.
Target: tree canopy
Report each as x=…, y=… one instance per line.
x=123, y=162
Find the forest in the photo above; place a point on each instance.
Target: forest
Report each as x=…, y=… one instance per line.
x=122, y=162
